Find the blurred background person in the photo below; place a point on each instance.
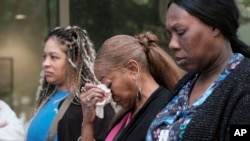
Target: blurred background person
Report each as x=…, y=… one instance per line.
x=11, y=128
x=68, y=64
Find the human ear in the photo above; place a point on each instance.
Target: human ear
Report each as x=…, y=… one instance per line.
x=133, y=68
x=216, y=31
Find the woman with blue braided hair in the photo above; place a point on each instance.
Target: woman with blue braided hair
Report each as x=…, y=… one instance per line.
x=68, y=64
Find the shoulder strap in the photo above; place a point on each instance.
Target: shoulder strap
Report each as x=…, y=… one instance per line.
x=53, y=129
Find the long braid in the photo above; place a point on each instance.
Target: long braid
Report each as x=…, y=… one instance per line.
x=81, y=55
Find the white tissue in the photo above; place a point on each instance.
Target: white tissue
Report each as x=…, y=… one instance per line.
x=100, y=105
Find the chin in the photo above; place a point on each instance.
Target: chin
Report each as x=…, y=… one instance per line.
x=123, y=106
x=50, y=81
x=188, y=68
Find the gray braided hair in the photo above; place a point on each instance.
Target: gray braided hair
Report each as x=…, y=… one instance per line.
x=79, y=48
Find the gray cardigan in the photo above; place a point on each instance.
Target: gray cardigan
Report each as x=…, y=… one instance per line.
x=228, y=104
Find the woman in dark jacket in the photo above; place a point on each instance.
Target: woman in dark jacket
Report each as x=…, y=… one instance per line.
x=214, y=95
x=140, y=75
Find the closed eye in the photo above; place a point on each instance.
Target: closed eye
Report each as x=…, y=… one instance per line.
x=109, y=85
x=180, y=32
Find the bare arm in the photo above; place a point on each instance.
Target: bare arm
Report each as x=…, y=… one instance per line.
x=87, y=133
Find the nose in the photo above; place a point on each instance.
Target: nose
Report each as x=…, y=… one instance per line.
x=174, y=43
x=46, y=62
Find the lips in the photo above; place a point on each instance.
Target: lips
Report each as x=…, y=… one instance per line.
x=48, y=73
x=116, y=99
x=179, y=60
x=118, y=102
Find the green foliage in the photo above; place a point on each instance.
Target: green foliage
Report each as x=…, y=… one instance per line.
x=246, y=2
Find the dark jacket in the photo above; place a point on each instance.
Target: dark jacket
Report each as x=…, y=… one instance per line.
x=69, y=127
x=136, y=130
x=228, y=104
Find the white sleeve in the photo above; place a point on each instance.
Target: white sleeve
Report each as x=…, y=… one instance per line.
x=11, y=128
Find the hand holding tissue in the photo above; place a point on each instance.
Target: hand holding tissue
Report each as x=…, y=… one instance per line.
x=100, y=105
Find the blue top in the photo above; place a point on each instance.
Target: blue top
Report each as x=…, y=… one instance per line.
x=40, y=124
x=171, y=122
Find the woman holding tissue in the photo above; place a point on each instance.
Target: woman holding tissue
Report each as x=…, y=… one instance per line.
x=68, y=64
x=139, y=74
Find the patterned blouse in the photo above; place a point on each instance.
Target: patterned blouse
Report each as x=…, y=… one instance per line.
x=171, y=122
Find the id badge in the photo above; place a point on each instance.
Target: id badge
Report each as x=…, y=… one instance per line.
x=164, y=134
